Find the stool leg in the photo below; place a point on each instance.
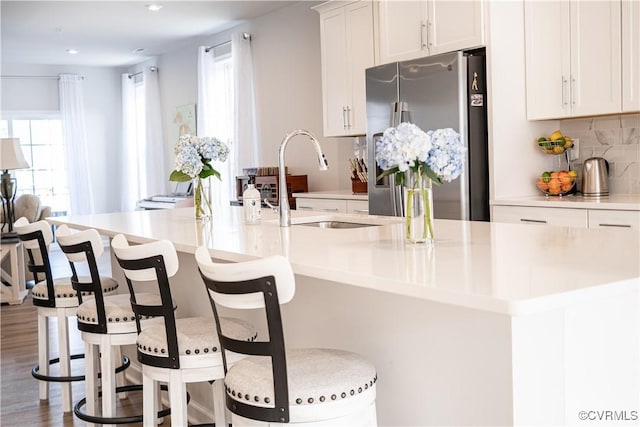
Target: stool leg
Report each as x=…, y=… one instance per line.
x=65, y=361
x=43, y=354
x=178, y=398
x=218, y=403
x=107, y=367
x=91, y=378
x=121, y=379
x=149, y=400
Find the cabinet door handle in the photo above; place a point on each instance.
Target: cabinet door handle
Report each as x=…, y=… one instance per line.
x=304, y=207
x=536, y=221
x=615, y=225
x=344, y=118
x=330, y=209
x=361, y=211
x=573, y=90
x=564, y=94
x=423, y=26
x=348, y=109
x=429, y=35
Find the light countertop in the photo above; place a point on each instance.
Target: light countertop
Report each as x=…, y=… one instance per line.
x=575, y=201
x=504, y=268
x=333, y=194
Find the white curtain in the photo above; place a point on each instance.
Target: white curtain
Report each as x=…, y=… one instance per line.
x=156, y=175
x=75, y=143
x=245, y=123
x=226, y=110
x=130, y=185
x=215, y=93
x=143, y=165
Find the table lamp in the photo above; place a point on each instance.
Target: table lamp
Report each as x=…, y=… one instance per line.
x=10, y=158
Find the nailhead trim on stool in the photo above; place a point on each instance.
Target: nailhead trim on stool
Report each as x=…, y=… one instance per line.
x=64, y=289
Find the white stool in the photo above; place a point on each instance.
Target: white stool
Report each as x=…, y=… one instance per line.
x=177, y=351
x=106, y=323
x=54, y=298
x=275, y=385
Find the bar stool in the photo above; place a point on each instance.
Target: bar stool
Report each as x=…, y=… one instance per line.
x=106, y=322
x=55, y=298
x=275, y=385
x=181, y=350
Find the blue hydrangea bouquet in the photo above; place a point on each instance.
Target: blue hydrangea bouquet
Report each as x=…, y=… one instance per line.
x=193, y=162
x=414, y=157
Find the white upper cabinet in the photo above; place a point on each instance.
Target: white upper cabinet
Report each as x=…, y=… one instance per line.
x=347, y=49
x=573, y=58
x=413, y=29
x=596, y=57
x=630, y=55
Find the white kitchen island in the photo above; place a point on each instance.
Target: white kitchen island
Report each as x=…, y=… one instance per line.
x=497, y=324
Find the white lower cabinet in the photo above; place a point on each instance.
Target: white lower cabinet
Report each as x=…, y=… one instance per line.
x=358, y=206
x=562, y=217
x=321, y=205
x=600, y=218
x=568, y=217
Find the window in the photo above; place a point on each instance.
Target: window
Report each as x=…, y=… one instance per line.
x=217, y=103
x=42, y=146
x=222, y=97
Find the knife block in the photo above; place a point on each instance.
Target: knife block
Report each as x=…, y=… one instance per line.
x=358, y=187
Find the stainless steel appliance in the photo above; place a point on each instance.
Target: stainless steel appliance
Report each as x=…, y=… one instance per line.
x=441, y=91
x=595, y=177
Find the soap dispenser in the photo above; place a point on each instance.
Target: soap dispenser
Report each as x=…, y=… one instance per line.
x=251, y=204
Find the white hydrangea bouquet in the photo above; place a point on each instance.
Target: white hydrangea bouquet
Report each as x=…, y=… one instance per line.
x=193, y=162
x=416, y=159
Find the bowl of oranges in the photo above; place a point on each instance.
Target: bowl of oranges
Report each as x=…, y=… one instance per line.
x=557, y=183
x=557, y=143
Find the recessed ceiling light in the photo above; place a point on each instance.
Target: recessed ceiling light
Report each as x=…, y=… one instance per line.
x=138, y=50
x=154, y=7
x=72, y=51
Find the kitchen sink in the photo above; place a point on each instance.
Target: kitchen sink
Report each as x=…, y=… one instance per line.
x=336, y=224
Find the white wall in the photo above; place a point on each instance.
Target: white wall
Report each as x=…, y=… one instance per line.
x=515, y=161
x=102, y=99
x=286, y=54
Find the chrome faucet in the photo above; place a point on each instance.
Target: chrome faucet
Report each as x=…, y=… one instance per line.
x=283, y=194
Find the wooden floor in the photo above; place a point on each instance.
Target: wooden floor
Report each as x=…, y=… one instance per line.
x=19, y=401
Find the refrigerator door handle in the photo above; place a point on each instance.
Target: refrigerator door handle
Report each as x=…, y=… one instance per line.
x=397, y=111
x=394, y=114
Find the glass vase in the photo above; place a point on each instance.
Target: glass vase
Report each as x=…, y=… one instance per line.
x=418, y=208
x=202, y=198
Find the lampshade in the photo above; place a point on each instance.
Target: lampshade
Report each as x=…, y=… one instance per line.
x=11, y=155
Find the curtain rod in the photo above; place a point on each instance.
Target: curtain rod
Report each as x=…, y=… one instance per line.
x=245, y=36
x=33, y=77
x=140, y=72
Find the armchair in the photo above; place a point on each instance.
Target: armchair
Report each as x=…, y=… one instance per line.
x=28, y=206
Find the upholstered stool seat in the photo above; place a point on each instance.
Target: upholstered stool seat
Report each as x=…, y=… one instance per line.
x=315, y=377
x=176, y=350
x=196, y=336
x=118, y=312
x=275, y=385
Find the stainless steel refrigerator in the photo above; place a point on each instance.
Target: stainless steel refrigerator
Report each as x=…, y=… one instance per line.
x=440, y=91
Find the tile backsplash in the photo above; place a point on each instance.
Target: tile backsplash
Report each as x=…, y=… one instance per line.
x=617, y=139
